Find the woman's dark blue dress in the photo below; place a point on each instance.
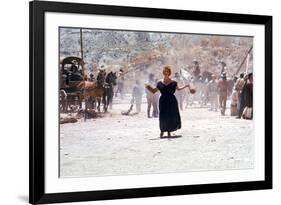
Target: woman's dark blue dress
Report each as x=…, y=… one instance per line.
x=169, y=115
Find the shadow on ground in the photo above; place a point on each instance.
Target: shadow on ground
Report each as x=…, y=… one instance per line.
x=171, y=137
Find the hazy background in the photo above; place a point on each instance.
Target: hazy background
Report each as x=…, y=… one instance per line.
x=142, y=53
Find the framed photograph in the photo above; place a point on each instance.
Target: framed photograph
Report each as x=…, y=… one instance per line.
x=130, y=102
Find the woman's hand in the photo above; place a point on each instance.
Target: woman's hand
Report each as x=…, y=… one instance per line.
x=192, y=89
x=148, y=87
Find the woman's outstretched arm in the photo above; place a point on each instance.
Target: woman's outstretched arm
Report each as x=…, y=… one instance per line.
x=183, y=87
x=151, y=89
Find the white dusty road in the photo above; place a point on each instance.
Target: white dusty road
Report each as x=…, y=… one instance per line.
x=125, y=145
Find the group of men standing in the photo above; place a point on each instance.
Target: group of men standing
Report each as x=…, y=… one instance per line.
x=216, y=91
x=243, y=95
x=240, y=90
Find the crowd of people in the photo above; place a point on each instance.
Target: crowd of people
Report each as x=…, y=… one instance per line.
x=215, y=91
x=212, y=91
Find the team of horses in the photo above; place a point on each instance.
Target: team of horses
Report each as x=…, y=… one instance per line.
x=93, y=93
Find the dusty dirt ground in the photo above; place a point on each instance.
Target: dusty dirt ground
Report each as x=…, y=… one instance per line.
x=127, y=145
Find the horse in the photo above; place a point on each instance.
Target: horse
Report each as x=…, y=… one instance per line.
x=110, y=82
x=102, y=90
x=91, y=90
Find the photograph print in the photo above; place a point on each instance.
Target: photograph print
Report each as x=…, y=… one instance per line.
x=139, y=102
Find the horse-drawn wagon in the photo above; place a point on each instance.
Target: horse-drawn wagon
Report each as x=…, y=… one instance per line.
x=71, y=75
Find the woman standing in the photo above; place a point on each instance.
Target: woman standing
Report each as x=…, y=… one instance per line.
x=169, y=116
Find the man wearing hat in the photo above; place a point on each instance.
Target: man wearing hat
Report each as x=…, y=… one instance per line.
x=223, y=92
x=101, y=77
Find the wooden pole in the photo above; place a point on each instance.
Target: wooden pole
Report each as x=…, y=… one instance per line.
x=81, y=44
x=243, y=60
x=82, y=55
x=83, y=69
x=247, y=63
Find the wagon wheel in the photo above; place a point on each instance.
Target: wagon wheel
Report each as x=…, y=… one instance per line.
x=73, y=102
x=63, y=101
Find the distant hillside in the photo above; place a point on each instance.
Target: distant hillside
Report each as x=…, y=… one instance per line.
x=145, y=52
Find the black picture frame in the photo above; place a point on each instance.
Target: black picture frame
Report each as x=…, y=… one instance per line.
x=37, y=194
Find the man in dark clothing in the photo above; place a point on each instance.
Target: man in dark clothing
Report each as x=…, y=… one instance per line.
x=248, y=110
x=223, y=67
x=249, y=91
